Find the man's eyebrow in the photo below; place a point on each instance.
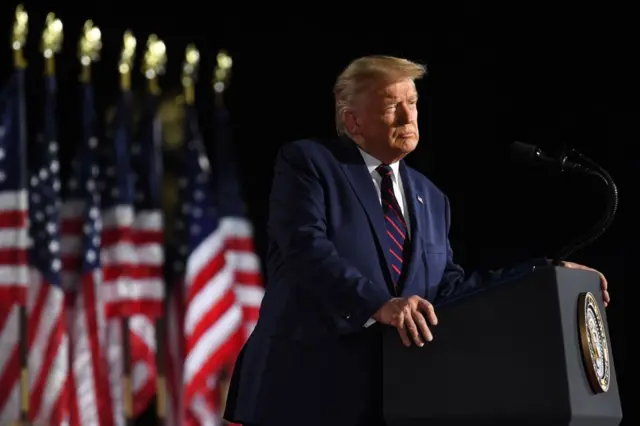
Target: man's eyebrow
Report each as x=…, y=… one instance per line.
x=393, y=99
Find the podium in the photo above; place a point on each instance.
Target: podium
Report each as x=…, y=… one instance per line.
x=526, y=352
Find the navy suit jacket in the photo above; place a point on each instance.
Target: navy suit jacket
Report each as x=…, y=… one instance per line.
x=310, y=360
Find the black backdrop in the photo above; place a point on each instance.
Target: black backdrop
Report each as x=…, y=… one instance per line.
x=571, y=90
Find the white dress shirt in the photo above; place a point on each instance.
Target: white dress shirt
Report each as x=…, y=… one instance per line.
x=398, y=190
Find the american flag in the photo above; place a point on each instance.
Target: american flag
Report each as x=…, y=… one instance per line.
x=14, y=238
x=48, y=341
x=222, y=279
x=13, y=193
x=146, y=302
x=146, y=160
x=125, y=266
x=90, y=400
x=248, y=281
x=213, y=317
x=118, y=251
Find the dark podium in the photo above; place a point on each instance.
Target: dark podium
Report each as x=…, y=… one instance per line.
x=515, y=354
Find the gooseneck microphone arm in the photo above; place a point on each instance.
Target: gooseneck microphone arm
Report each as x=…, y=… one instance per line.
x=574, y=162
x=606, y=219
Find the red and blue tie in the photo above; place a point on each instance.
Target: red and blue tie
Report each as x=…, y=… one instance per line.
x=395, y=224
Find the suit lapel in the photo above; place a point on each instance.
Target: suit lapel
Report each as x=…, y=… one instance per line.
x=414, y=206
x=364, y=188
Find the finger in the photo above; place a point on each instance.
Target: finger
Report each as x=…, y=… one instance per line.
x=603, y=282
x=572, y=265
x=403, y=331
x=604, y=285
x=418, y=318
x=605, y=293
x=426, y=307
x=412, y=328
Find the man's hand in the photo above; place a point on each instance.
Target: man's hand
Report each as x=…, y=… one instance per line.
x=603, y=280
x=408, y=316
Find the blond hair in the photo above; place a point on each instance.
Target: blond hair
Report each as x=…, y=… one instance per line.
x=362, y=72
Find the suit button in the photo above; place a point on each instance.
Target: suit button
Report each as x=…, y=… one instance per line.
x=348, y=316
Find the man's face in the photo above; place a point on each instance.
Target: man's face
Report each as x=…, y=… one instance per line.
x=384, y=120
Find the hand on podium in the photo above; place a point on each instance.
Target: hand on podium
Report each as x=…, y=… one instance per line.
x=603, y=281
x=409, y=315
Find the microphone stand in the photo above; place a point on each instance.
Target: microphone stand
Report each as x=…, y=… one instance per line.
x=592, y=169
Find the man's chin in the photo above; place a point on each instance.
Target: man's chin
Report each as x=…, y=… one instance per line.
x=406, y=145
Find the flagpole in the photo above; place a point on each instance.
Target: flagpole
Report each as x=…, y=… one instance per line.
x=153, y=65
x=221, y=77
x=51, y=43
x=161, y=387
x=18, y=40
x=125, y=67
x=89, y=48
x=190, y=74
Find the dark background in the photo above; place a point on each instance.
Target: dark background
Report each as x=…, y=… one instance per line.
x=574, y=88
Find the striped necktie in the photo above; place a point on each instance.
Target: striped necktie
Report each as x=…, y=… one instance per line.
x=395, y=224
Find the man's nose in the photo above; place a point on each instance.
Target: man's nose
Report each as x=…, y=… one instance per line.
x=404, y=115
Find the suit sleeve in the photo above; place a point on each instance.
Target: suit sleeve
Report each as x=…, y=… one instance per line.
x=456, y=283
x=298, y=225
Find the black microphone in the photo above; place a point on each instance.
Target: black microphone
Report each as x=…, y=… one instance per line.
x=531, y=154
x=575, y=162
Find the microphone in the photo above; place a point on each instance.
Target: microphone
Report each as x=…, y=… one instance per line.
x=526, y=153
x=573, y=162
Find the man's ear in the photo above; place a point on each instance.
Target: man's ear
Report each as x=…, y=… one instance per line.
x=351, y=122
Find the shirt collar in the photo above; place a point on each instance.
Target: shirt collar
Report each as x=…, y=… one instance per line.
x=372, y=163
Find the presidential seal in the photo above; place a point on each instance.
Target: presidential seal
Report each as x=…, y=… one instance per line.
x=593, y=343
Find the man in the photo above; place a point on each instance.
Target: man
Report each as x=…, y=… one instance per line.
x=358, y=240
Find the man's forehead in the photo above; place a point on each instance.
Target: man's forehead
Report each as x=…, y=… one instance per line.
x=384, y=92
x=398, y=90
